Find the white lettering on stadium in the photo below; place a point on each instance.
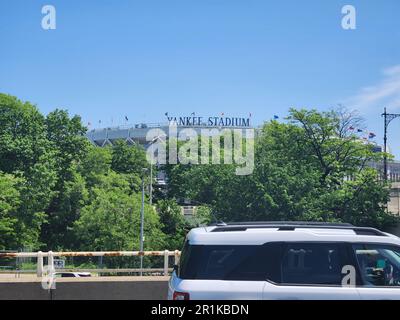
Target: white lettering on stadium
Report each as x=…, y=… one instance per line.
x=211, y=121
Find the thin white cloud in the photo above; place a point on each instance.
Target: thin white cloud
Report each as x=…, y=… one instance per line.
x=386, y=93
x=394, y=70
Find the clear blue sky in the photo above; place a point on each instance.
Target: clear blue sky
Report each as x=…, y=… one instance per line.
x=108, y=59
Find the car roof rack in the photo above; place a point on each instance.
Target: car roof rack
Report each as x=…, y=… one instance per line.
x=293, y=225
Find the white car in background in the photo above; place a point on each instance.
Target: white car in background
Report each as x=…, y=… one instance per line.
x=287, y=260
x=72, y=274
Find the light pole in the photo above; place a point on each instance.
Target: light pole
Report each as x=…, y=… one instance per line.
x=388, y=117
x=151, y=167
x=144, y=170
x=151, y=173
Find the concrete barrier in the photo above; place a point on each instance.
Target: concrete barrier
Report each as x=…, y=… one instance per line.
x=96, y=288
x=23, y=291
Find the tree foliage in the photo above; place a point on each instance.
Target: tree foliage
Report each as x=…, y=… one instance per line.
x=311, y=168
x=26, y=154
x=9, y=204
x=111, y=221
x=173, y=224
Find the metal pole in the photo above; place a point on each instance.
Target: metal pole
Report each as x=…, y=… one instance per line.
x=141, y=227
x=151, y=176
x=387, y=118
x=384, y=145
x=39, y=269
x=176, y=255
x=166, y=258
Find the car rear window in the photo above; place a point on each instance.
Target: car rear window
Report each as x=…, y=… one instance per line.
x=230, y=262
x=313, y=263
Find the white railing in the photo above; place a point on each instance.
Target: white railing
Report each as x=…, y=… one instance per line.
x=50, y=259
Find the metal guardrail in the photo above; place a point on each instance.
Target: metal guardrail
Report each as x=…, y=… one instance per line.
x=50, y=256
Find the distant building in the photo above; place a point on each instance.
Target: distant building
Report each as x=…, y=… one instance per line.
x=137, y=133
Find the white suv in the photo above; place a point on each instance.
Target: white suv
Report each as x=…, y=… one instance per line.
x=287, y=260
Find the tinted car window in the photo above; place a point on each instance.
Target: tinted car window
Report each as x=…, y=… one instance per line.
x=230, y=262
x=313, y=263
x=379, y=264
x=65, y=275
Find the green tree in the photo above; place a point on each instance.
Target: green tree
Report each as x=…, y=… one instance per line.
x=203, y=215
x=9, y=204
x=173, y=223
x=26, y=153
x=22, y=135
x=128, y=159
x=69, y=147
x=311, y=168
x=95, y=164
x=112, y=219
x=37, y=190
